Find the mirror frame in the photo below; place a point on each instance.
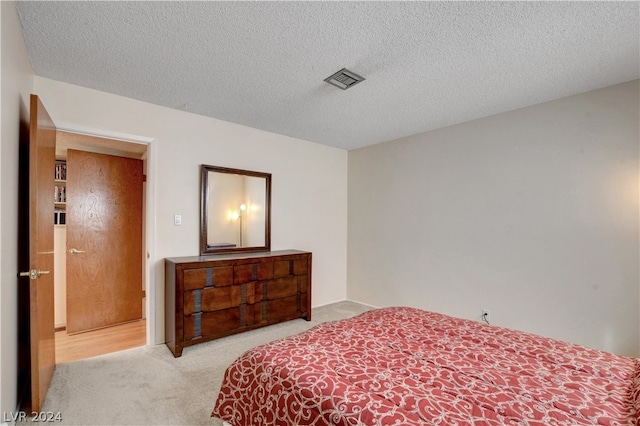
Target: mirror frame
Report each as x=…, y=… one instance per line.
x=204, y=209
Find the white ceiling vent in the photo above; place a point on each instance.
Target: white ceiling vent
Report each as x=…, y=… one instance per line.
x=344, y=79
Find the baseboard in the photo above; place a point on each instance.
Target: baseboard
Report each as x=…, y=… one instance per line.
x=345, y=300
x=328, y=303
x=362, y=303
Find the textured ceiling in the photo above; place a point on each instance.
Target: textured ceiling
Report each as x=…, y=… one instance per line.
x=262, y=64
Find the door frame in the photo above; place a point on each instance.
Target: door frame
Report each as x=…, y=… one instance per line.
x=149, y=229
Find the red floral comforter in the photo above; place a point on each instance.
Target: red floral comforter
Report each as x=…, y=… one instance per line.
x=405, y=366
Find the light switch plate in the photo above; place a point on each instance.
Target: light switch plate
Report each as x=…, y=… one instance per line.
x=177, y=220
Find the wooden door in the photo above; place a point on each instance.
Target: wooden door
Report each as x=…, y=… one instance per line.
x=39, y=278
x=104, y=240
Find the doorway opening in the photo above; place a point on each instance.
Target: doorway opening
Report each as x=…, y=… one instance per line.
x=73, y=347
x=111, y=337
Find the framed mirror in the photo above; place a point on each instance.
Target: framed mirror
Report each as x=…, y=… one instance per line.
x=235, y=207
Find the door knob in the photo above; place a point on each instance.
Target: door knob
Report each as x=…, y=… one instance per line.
x=76, y=251
x=34, y=274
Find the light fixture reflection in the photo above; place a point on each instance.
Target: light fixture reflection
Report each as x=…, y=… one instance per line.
x=243, y=207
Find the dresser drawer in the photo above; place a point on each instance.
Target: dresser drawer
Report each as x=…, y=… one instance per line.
x=207, y=277
x=282, y=287
x=301, y=266
x=221, y=323
x=203, y=324
x=286, y=308
x=252, y=272
x=211, y=299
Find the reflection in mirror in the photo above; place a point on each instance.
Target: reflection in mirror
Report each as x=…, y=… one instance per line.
x=235, y=210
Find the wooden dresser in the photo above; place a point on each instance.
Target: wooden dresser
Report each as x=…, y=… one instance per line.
x=207, y=297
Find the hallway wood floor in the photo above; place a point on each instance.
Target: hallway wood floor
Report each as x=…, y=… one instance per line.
x=99, y=342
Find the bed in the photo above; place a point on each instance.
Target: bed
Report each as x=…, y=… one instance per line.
x=405, y=366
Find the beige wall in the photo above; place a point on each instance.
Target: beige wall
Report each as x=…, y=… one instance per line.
x=532, y=214
x=16, y=77
x=309, y=181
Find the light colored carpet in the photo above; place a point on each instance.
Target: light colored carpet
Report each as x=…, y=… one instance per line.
x=148, y=386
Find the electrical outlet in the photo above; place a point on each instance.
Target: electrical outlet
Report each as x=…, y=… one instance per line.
x=486, y=315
